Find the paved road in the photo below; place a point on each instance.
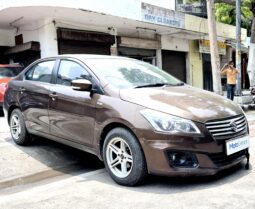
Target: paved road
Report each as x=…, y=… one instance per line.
x=95, y=189
x=43, y=159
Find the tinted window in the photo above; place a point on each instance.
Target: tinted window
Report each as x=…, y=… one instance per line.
x=41, y=72
x=69, y=70
x=6, y=72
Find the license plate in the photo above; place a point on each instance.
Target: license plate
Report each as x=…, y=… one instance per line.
x=237, y=145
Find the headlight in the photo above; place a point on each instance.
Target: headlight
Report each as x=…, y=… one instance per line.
x=167, y=123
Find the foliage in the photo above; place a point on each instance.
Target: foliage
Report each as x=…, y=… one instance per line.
x=226, y=13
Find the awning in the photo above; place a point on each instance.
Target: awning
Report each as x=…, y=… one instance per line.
x=29, y=46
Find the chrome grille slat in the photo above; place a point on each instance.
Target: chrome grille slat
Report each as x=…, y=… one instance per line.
x=225, y=121
x=242, y=121
x=229, y=132
x=222, y=127
x=227, y=129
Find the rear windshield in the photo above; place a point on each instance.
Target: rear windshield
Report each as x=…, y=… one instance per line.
x=7, y=72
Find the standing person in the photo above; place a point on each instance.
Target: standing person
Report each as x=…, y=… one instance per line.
x=231, y=72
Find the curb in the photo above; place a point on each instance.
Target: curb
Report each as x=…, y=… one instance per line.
x=35, y=177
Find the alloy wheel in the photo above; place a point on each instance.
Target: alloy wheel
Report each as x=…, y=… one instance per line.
x=15, y=126
x=119, y=157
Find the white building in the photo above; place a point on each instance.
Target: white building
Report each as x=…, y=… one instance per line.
x=133, y=28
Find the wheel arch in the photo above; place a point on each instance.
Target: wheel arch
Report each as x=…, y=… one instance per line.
x=110, y=127
x=10, y=110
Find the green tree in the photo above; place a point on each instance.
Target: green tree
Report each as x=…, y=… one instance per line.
x=226, y=13
x=251, y=64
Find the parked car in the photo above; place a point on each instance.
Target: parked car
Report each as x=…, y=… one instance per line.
x=134, y=116
x=7, y=71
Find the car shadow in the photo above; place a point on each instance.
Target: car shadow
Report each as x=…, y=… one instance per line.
x=59, y=157
x=173, y=185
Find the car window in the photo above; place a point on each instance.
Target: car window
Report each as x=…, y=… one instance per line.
x=41, y=72
x=126, y=73
x=70, y=70
x=6, y=72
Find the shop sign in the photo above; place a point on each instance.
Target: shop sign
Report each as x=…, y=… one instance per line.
x=162, y=16
x=204, y=47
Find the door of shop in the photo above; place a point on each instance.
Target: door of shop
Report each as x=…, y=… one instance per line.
x=174, y=63
x=207, y=72
x=146, y=55
x=83, y=42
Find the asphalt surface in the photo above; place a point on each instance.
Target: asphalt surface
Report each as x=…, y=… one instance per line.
x=93, y=188
x=43, y=159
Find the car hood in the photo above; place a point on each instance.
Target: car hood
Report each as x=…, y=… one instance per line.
x=183, y=101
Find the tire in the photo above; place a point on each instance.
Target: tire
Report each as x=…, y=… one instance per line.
x=123, y=157
x=1, y=112
x=18, y=128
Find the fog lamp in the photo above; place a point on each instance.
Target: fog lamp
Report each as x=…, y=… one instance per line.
x=182, y=159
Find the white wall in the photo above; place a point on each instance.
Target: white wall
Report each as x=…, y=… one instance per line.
x=44, y=32
x=174, y=44
x=123, y=8
x=6, y=37
x=169, y=4
x=29, y=34
x=48, y=39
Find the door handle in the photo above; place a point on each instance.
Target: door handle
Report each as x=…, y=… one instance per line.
x=53, y=96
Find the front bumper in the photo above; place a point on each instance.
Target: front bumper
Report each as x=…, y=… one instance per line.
x=209, y=153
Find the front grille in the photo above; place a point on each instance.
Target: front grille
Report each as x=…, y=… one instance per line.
x=227, y=128
x=221, y=159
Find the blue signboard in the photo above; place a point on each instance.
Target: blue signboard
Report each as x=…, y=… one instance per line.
x=162, y=16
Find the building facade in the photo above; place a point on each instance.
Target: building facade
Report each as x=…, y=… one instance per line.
x=172, y=40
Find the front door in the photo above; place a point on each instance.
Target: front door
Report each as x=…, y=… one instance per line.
x=71, y=112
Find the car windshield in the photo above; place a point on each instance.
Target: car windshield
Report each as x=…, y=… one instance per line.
x=7, y=72
x=124, y=73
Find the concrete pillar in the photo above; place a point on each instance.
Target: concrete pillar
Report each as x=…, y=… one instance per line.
x=114, y=50
x=159, y=58
x=229, y=53
x=195, y=65
x=48, y=38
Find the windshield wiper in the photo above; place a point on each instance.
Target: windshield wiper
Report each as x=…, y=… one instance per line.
x=179, y=84
x=159, y=85
x=153, y=85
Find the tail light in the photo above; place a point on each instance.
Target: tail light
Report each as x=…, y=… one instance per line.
x=4, y=87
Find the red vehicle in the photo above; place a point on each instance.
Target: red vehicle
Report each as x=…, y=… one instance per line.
x=7, y=71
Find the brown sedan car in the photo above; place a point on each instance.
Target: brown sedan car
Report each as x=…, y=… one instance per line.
x=135, y=117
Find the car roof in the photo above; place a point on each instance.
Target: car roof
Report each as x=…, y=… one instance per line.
x=90, y=56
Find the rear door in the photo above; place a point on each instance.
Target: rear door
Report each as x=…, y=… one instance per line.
x=71, y=112
x=34, y=96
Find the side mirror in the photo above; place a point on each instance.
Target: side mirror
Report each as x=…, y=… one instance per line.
x=81, y=85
